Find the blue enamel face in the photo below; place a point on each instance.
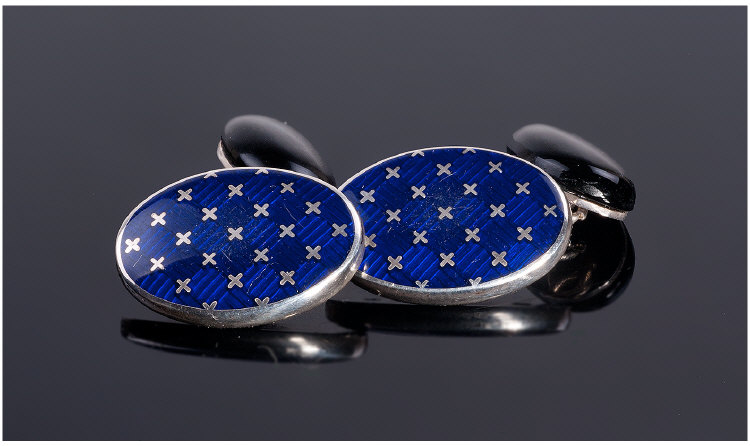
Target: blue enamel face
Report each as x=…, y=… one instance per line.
x=454, y=217
x=236, y=238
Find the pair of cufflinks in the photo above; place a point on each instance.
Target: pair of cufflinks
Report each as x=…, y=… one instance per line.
x=271, y=236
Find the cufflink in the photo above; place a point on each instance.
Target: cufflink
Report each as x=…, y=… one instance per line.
x=241, y=246
x=457, y=225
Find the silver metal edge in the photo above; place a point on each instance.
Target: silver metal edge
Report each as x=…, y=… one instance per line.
x=252, y=316
x=583, y=203
x=222, y=155
x=485, y=290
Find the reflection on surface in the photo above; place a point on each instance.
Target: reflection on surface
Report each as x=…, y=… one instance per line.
x=595, y=269
x=593, y=272
x=254, y=344
x=521, y=317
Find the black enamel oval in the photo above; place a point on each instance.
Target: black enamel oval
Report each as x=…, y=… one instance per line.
x=260, y=141
x=580, y=168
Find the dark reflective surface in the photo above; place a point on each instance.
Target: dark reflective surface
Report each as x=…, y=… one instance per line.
x=595, y=269
x=261, y=141
x=578, y=166
x=525, y=317
x=269, y=344
x=119, y=102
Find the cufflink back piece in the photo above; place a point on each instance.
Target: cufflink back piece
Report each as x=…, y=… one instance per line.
x=591, y=179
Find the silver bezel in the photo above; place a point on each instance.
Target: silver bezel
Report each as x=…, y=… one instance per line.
x=592, y=206
x=258, y=315
x=485, y=290
x=222, y=155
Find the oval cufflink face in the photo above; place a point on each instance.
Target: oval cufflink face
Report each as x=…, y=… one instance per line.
x=239, y=247
x=454, y=225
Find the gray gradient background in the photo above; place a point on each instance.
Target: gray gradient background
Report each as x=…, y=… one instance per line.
x=103, y=106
